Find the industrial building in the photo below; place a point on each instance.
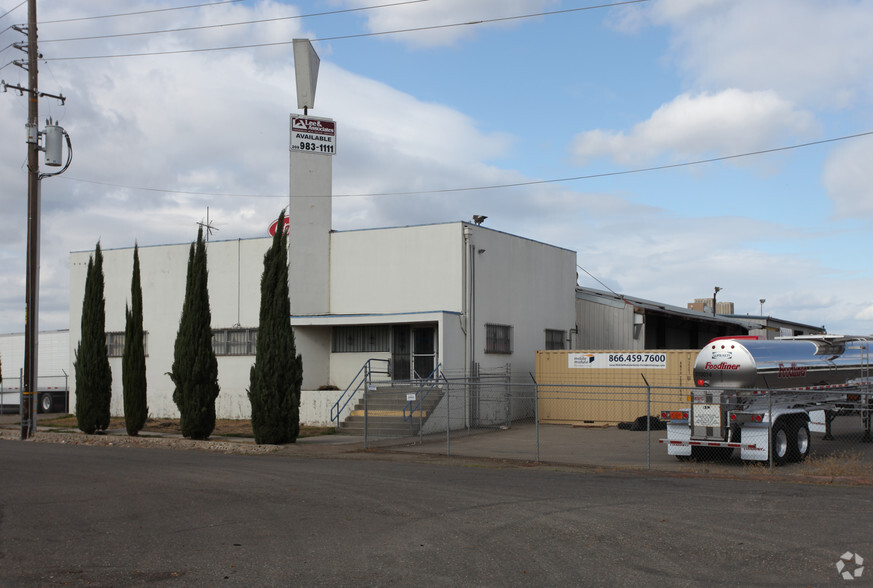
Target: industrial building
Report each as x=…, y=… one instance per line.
x=449, y=298
x=608, y=320
x=518, y=295
x=479, y=299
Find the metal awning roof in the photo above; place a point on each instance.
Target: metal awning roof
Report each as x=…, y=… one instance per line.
x=644, y=306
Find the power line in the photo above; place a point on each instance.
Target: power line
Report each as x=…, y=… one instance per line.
x=13, y=9
x=478, y=22
x=233, y=24
x=355, y=36
x=599, y=282
x=168, y=191
x=497, y=186
x=7, y=65
x=45, y=22
x=631, y=171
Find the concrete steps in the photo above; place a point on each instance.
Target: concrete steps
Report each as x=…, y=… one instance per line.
x=384, y=412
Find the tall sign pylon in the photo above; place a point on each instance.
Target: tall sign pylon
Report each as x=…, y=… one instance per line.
x=312, y=146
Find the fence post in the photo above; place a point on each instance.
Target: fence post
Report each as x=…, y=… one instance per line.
x=537, y=415
x=22, y=412
x=507, y=388
x=366, y=412
x=770, y=426
x=648, y=423
x=448, y=420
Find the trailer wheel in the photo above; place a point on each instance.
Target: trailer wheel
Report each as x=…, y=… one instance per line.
x=781, y=443
x=46, y=402
x=799, y=441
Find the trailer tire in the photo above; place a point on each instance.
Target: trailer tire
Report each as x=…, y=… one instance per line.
x=46, y=402
x=781, y=443
x=799, y=441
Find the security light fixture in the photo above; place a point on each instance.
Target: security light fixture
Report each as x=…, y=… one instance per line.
x=717, y=290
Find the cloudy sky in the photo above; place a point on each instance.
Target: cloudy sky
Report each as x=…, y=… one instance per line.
x=675, y=145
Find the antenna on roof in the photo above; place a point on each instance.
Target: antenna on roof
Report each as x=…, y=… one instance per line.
x=207, y=225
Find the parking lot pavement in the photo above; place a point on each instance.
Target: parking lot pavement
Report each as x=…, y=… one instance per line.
x=845, y=459
x=109, y=516
x=611, y=447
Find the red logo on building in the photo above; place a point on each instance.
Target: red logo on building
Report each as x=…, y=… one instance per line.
x=275, y=223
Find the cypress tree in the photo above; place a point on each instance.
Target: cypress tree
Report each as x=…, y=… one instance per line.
x=133, y=365
x=195, y=369
x=93, y=374
x=277, y=374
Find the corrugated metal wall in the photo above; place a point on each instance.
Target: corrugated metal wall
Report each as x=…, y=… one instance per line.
x=607, y=326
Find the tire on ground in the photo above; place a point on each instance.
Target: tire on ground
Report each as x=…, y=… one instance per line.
x=781, y=442
x=46, y=402
x=798, y=440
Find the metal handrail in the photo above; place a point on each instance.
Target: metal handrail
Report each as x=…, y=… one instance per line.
x=364, y=373
x=433, y=378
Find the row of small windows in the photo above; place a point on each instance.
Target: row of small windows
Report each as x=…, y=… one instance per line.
x=224, y=342
x=115, y=343
x=361, y=339
x=377, y=338
x=234, y=341
x=346, y=339
x=498, y=339
x=555, y=339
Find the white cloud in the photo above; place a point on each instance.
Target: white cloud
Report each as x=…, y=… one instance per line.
x=661, y=257
x=386, y=122
x=215, y=122
x=847, y=178
x=218, y=122
x=704, y=125
x=813, y=52
x=447, y=12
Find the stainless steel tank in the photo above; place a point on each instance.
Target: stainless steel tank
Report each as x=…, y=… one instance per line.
x=781, y=363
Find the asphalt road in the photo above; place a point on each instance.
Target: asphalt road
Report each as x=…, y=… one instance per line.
x=74, y=515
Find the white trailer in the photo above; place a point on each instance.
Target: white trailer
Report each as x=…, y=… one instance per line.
x=764, y=397
x=53, y=367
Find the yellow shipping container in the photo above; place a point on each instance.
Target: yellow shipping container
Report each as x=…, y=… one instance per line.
x=607, y=387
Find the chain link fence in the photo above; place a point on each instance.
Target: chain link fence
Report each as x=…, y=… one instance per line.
x=500, y=415
x=52, y=394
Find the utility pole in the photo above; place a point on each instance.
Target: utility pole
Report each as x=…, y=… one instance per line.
x=53, y=149
x=31, y=310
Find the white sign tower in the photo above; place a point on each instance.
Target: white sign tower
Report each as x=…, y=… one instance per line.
x=313, y=143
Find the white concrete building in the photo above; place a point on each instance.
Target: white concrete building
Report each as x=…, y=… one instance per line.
x=454, y=296
x=449, y=295
x=235, y=269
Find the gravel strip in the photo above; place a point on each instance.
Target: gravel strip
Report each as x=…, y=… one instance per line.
x=244, y=447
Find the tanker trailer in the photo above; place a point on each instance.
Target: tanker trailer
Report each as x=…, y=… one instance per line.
x=766, y=396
